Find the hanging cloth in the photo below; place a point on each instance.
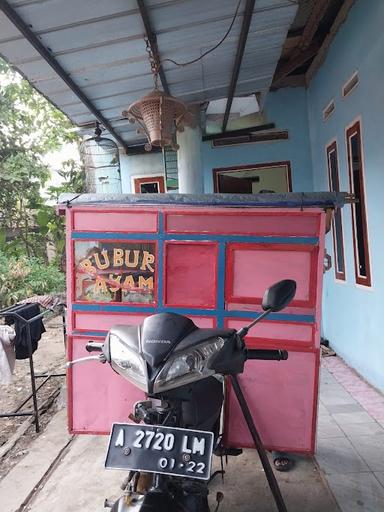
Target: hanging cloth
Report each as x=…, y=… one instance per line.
x=37, y=329
x=7, y=353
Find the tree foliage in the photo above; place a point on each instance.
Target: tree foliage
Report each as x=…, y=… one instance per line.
x=30, y=127
x=23, y=277
x=50, y=224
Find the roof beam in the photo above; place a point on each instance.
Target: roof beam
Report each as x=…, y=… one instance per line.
x=241, y=131
x=322, y=53
x=47, y=56
x=301, y=58
x=151, y=36
x=306, y=46
x=37, y=44
x=319, y=9
x=249, y=6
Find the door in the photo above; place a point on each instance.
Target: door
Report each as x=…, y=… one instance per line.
x=253, y=179
x=149, y=185
x=234, y=184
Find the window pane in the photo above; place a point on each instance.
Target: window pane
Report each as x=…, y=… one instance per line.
x=362, y=267
x=149, y=188
x=338, y=243
x=115, y=271
x=356, y=170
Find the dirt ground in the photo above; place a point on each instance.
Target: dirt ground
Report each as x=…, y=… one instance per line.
x=48, y=358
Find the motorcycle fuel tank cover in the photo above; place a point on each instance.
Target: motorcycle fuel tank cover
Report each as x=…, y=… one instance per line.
x=161, y=333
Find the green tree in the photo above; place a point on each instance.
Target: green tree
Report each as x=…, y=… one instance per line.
x=51, y=225
x=30, y=127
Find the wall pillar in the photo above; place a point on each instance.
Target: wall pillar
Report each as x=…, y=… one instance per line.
x=191, y=176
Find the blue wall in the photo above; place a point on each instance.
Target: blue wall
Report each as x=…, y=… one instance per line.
x=352, y=314
x=287, y=108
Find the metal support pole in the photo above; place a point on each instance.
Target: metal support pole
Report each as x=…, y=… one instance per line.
x=33, y=383
x=273, y=485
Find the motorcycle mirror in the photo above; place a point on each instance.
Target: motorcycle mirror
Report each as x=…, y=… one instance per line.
x=276, y=297
x=279, y=295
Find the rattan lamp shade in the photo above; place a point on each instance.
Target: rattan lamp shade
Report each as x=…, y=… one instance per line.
x=159, y=116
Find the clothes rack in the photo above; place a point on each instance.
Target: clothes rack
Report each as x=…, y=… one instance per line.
x=12, y=312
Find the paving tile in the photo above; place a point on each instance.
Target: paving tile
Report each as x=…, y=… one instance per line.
x=376, y=416
x=337, y=455
x=380, y=476
x=371, y=449
x=347, y=408
x=333, y=386
x=322, y=410
x=332, y=389
x=326, y=377
x=327, y=427
x=375, y=409
x=369, y=395
x=352, y=417
x=378, y=404
x=362, y=429
x=358, y=388
x=337, y=398
x=359, y=492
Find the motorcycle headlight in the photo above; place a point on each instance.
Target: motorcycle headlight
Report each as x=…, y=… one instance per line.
x=188, y=366
x=127, y=362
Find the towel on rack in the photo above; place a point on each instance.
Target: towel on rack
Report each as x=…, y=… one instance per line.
x=7, y=353
x=37, y=329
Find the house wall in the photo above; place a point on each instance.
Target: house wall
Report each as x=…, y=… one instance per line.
x=351, y=312
x=287, y=108
x=139, y=165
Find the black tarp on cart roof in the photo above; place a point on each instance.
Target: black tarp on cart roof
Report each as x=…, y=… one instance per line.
x=288, y=200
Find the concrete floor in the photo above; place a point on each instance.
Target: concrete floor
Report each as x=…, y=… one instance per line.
x=350, y=444
x=79, y=482
x=65, y=474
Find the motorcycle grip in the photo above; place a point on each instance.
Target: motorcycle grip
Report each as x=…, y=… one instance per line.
x=92, y=346
x=267, y=355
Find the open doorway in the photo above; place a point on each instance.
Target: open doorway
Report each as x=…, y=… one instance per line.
x=253, y=179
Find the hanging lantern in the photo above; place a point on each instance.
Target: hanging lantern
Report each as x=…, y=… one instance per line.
x=159, y=115
x=101, y=160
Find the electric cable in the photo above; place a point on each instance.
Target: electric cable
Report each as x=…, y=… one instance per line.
x=183, y=64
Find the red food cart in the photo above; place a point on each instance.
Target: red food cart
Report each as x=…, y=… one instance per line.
x=210, y=258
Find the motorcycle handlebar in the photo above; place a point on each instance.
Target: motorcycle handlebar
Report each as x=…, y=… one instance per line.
x=268, y=355
x=92, y=346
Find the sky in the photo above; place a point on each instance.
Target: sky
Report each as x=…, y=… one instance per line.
x=54, y=160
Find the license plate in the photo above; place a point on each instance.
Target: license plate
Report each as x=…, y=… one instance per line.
x=155, y=449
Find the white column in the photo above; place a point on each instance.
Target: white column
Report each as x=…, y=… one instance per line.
x=191, y=177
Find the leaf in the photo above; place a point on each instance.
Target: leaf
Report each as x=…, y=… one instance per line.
x=43, y=217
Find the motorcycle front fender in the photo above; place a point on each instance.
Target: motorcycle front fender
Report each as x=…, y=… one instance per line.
x=150, y=502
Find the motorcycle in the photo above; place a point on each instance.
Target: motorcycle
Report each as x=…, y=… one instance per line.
x=168, y=447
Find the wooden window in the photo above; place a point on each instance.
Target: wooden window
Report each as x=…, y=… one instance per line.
x=329, y=110
x=350, y=85
x=359, y=218
x=149, y=185
x=337, y=223
x=253, y=179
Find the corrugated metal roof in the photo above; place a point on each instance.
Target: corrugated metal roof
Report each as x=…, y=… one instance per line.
x=101, y=45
